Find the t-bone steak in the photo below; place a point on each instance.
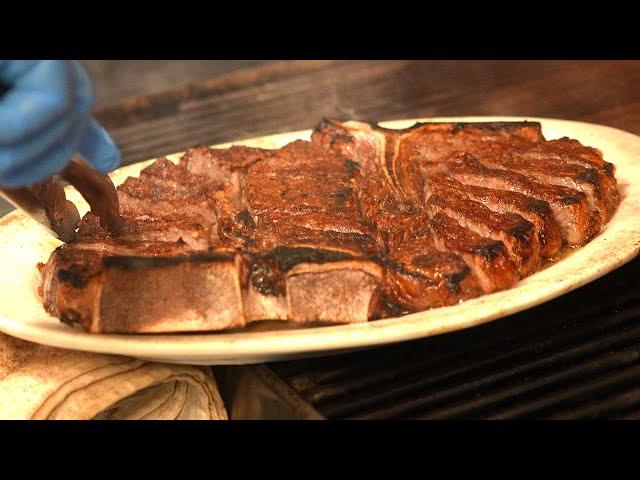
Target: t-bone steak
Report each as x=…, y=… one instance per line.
x=359, y=223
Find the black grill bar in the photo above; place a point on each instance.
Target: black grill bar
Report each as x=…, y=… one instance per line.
x=577, y=356
x=346, y=377
x=403, y=368
x=590, y=402
x=630, y=414
x=525, y=365
x=525, y=386
x=506, y=378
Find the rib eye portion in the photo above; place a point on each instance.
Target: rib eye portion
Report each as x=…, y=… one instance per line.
x=360, y=223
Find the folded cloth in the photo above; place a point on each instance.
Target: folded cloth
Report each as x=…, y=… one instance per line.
x=39, y=382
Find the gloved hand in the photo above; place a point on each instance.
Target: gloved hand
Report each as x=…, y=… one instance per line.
x=45, y=117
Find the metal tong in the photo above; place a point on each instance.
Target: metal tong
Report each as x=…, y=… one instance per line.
x=46, y=201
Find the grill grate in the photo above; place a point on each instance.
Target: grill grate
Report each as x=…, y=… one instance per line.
x=575, y=357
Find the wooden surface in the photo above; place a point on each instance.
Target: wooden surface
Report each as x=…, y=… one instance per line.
x=115, y=80
x=285, y=96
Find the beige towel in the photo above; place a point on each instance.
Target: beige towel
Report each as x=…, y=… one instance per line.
x=39, y=382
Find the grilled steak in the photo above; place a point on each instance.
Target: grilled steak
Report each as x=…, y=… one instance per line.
x=359, y=223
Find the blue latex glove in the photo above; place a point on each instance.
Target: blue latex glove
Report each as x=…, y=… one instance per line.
x=45, y=117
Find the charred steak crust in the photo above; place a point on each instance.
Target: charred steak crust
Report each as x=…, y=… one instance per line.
x=360, y=223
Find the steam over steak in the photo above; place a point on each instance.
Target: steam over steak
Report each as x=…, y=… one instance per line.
x=360, y=223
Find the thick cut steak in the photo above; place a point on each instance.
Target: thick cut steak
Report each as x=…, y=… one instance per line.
x=359, y=223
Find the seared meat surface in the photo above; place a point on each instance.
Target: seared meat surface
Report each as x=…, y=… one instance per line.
x=359, y=223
